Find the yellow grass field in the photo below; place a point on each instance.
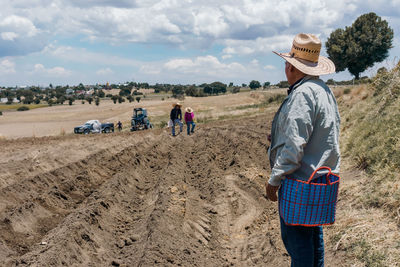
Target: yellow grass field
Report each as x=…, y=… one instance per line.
x=61, y=119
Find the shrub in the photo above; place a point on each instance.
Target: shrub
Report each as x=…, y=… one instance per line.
x=23, y=108
x=1, y=113
x=346, y=91
x=236, y=90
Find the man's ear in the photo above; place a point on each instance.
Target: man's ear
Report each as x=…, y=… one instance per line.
x=291, y=68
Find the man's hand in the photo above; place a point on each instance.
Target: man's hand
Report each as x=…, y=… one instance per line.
x=271, y=191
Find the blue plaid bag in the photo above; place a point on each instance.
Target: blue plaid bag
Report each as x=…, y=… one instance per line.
x=309, y=203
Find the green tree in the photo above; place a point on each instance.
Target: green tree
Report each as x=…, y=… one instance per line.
x=61, y=100
x=138, y=99
x=121, y=99
x=283, y=84
x=28, y=96
x=101, y=93
x=114, y=98
x=254, y=85
x=97, y=101
x=50, y=102
x=71, y=100
x=130, y=98
x=191, y=91
x=359, y=46
x=235, y=90
x=177, y=91
x=125, y=91
x=10, y=99
x=218, y=88
x=208, y=90
x=266, y=84
x=89, y=99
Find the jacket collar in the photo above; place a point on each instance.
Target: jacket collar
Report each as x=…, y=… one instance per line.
x=300, y=82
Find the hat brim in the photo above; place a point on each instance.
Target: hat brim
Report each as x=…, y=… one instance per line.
x=324, y=65
x=174, y=105
x=189, y=110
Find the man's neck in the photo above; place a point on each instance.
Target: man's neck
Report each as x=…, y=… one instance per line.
x=298, y=76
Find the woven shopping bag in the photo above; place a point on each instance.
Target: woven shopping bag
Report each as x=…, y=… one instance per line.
x=309, y=203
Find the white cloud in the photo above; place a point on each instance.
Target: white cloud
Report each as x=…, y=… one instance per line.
x=204, y=66
x=269, y=67
x=82, y=55
x=7, y=67
x=20, y=25
x=52, y=72
x=210, y=22
x=254, y=62
x=150, y=69
x=260, y=45
x=8, y=36
x=106, y=71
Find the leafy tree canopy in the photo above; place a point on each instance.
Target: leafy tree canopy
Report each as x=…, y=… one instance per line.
x=254, y=85
x=360, y=45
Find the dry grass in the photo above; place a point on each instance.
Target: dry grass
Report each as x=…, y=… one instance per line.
x=367, y=229
x=16, y=106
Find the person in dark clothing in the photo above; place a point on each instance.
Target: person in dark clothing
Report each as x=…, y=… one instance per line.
x=119, y=124
x=176, y=117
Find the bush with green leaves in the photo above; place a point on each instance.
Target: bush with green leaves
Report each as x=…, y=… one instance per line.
x=22, y=108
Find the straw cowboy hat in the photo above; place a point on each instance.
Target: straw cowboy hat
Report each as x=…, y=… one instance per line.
x=177, y=104
x=189, y=110
x=305, y=57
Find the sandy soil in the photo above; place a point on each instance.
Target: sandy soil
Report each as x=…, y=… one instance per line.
x=58, y=120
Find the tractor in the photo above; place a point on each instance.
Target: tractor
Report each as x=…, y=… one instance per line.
x=140, y=121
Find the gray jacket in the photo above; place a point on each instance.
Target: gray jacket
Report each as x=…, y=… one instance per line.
x=305, y=132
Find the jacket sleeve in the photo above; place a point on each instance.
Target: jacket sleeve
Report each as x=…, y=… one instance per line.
x=171, y=114
x=296, y=127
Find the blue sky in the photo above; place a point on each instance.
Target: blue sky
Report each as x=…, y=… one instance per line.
x=168, y=41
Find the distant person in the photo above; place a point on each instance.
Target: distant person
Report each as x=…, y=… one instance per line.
x=304, y=137
x=176, y=117
x=119, y=125
x=189, y=120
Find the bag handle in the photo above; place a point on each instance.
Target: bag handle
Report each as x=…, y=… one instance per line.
x=327, y=176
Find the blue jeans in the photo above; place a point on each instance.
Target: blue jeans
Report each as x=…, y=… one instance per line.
x=305, y=245
x=177, y=121
x=188, y=123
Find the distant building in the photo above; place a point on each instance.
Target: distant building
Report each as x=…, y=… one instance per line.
x=5, y=100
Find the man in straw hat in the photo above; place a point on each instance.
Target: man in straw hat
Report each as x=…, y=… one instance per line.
x=176, y=117
x=304, y=137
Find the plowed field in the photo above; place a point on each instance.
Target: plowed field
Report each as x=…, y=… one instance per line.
x=141, y=199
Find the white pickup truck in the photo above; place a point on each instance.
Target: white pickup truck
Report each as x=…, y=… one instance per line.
x=94, y=126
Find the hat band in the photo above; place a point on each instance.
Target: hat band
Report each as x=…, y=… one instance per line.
x=305, y=53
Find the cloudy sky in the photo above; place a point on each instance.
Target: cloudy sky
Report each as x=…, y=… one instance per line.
x=166, y=41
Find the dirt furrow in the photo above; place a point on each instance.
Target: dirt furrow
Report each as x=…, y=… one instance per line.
x=185, y=201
